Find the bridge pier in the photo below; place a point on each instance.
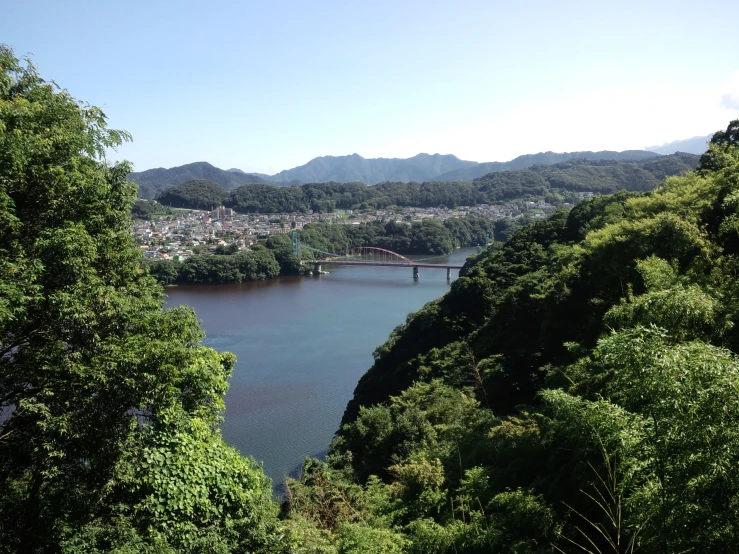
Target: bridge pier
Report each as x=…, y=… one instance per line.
x=448, y=273
x=317, y=268
x=415, y=272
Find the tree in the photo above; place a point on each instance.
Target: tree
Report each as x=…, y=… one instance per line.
x=199, y=194
x=671, y=421
x=281, y=247
x=231, y=248
x=165, y=271
x=721, y=142
x=102, y=393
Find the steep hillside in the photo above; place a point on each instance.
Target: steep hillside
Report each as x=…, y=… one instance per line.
x=576, y=390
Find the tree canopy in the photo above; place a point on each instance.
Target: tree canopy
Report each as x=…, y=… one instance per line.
x=108, y=403
x=198, y=194
x=557, y=183
x=576, y=390
x=419, y=237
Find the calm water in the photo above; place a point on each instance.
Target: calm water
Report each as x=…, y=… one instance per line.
x=302, y=344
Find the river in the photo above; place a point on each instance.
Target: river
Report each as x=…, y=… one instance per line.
x=302, y=343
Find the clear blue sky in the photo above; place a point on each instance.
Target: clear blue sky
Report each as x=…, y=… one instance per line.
x=268, y=85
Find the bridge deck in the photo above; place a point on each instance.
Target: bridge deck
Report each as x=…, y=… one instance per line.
x=384, y=264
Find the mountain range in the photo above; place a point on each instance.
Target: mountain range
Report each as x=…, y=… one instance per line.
x=694, y=145
x=370, y=171
x=355, y=168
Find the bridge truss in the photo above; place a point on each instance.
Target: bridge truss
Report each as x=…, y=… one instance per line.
x=367, y=255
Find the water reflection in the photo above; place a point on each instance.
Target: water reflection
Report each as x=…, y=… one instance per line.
x=302, y=344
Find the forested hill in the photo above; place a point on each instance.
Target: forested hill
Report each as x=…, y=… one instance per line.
x=345, y=169
x=542, y=158
x=576, y=390
x=601, y=176
x=355, y=168
x=425, y=167
x=556, y=183
x=198, y=194
x=153, y=181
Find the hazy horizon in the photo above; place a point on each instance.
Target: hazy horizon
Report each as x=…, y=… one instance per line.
x=265, y=87
x=232, y=168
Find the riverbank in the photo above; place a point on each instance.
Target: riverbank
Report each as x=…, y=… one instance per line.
x=301, y=345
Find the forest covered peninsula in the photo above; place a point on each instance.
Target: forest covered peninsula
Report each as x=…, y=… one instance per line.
x=577, y=389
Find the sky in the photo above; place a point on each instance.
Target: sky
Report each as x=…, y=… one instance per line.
x=268, y=85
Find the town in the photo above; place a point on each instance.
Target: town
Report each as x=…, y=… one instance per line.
x=179, y=236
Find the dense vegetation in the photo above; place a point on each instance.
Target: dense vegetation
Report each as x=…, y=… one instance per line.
x=151, y=209
x=108, y=404
x=153, y=182
x=544, y=158
x=256, y=265
x=276, y=257
x=420, y=237
x=353, y=168
x=197, y=194
x=430, y=167
x=557, y=184
x=576, y=390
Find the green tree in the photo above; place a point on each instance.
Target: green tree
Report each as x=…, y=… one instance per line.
x=231, y=248
x=281, y=247
x=604, y=342
x=198, y=194
x=103, y=394
x=165, y=271
x=721, y=143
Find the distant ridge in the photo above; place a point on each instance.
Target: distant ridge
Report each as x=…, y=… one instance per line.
x=558, y=180
x=694, y=145
x=371, y=171
x=543, y=158
x=153, y=181
x=431, y=167
x=264, y=176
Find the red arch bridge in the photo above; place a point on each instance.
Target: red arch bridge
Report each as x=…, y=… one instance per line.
x=370, y=256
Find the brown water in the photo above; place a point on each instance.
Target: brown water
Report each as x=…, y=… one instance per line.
x=302, y=344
